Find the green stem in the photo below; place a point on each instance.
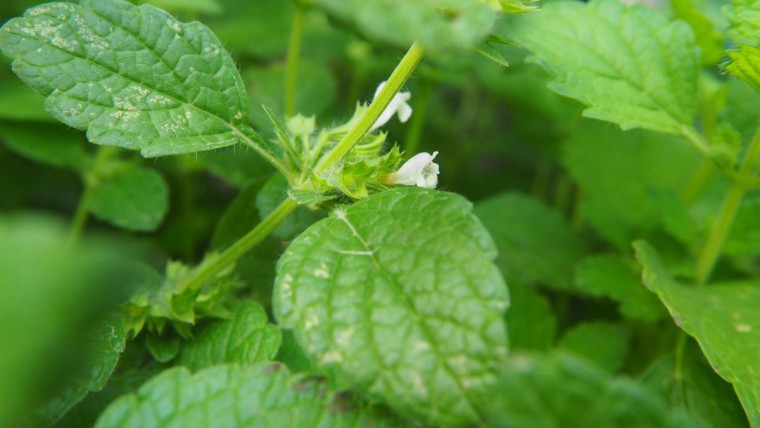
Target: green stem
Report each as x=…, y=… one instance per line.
x=679, y=387
x=731, y=202
x=291, y=67
x=696, y=139
x=218, y=264
x=399, y=76
x=91, y=182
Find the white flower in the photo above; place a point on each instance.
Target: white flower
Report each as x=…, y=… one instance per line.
x=419, y=171
x=398, y=105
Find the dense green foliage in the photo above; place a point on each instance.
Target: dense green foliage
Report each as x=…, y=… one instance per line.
x=546, y=216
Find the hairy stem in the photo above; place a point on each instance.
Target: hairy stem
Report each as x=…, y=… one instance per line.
x=730, y=206
x=91, y=182
x=291, y=67
x=399, y=76
x=243, y=245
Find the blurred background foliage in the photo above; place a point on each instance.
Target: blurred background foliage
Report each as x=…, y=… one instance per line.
x=562, y=195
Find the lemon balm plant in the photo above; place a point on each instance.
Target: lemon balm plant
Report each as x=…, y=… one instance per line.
x=350, y=282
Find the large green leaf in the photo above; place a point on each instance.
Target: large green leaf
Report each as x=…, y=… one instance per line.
x=524, y=229
x=725, y=320
x=132, y=198
x=744, y=19
x=263, y=395
x=245, y=339
x=628, y=64
x=398, y=295
x=131, y=76
x=561, y=391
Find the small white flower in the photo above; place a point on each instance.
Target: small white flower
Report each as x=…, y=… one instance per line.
x=418, y=171
x=398, y=106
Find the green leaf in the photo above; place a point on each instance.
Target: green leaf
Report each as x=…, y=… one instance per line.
x=632, y=164
x=239, y=168
x=709, y=40
x=104, y=346
x=523, y=229
x=197, y=6
x=606, y=344
x=398, y=296
x=723, y=318
x=262, y=395
x=745, y=64
x=132, y=198
x=245, y=339
x=628, y=64
x=704, y=393
x=530, y=322
x=436, y=24
x=561, y=391
x=612, y=276
x=131, y=76
x=258, y=28
x=45, y=143
x=744, y=19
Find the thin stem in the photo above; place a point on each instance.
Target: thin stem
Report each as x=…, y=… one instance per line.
x=394, y=84
x=731, y=202
x=679, y=387
x=696, y=139
x=91, y=182
x=243, y=245
x=698, y=182
x=291, y=67
x=247, y=139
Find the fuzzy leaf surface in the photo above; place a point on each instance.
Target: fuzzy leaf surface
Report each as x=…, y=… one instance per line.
x=245, y=339
x=264, y=395
x=723, y=318
x=628, y=64
x=132, y=76
x=398, y=296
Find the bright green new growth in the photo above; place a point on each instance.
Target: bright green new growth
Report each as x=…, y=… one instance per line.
x=133, y=77
x=628, y=64
x=421, y=330
x=263, y=395
x=745, y=64
x=723, y=318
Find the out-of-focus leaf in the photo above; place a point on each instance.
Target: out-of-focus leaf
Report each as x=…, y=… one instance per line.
x=722, y=317
x=700, y=390
x=563, y=391
x=19, y=102
x=530, y=322
x=104, y=347
x=614, y=277
x=707, y=37
x=197, y=6
x=744, y=238
x=132, y=198
x=536, y=245
x=245, y=339
x=49, y=144
x=398, y=295
x=262, y=395
x=632, y=164
x=239, y=166
x=436, y=24
x=604, y=343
